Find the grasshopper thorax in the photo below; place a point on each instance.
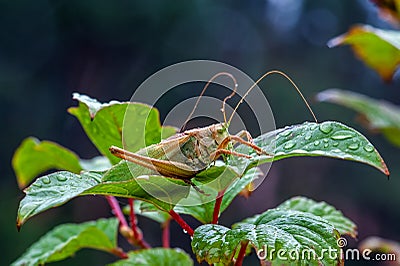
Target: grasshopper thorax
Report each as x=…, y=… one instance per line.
x=215, y=132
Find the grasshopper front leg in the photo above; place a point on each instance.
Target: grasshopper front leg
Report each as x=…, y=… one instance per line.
x=239, y=138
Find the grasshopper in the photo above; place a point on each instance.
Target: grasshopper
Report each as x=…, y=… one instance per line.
x=185, y=154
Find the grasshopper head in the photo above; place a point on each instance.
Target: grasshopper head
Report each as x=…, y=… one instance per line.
x=220, y=132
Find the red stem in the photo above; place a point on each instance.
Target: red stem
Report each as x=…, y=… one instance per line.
x=117, y=210
x=165, y=234
x=132, y=217
x=217, y=206
x=137, y=234
x=130, y=236
x=181, y=222
x=242, y=253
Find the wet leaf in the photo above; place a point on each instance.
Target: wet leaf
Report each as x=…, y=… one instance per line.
x=379, y=49
x=327, y=139
x=335, y=217
x=65, y=240
x=286, y=230
x=53, y=190
x=58, y=188
x=156, y=257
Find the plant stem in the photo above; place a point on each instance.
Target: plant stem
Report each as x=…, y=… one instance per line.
x=165, y=234
x=242, y=253
x=217, y=206
x=181, y=222
x=117, y=210
x=133, y=220
x=124, y=228
x=137, y=234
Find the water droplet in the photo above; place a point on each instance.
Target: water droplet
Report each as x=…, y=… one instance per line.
x=316, y=143
x=61, y=178
x=46, y=180
x=326, y=145
x=37, y=184
x=353, y=146
x=335, y=144
x=285, y=133
x=325, y=140
x=325, y=127
x=289, y=145
x=341, y=135
x=368, y=148
x=308, y=136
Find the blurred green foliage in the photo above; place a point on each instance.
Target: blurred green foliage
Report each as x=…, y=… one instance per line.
x=49, y=49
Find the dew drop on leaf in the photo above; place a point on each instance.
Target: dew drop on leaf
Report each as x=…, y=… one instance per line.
x=325, y=128
x=289, y=145
x=285, y=133
x=61, y=178
x=45, y=180
x=335, y=144
x=37, y=184
x=326, y=145
x=313, y=127
x=308, y=136
x=368, y=148
x=340, y=135
x=353, y=146
x=316, y=143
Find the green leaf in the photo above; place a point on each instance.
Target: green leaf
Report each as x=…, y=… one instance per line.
x=378, y=115
x=104, y=124
x=379, y=49
x=58, y=188
x=286, y=230
x=65, y=240
x=335, y=217
x=34, y=157
x=329, y=139
x=156, y=257
x=53, y=190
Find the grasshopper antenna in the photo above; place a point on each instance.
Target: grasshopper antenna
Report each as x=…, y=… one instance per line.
x=204, y=90
x=264, y=76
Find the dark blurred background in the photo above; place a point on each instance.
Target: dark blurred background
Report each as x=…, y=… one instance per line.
x=49, y=49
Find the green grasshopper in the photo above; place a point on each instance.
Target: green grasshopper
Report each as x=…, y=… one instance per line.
x=185, y=154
